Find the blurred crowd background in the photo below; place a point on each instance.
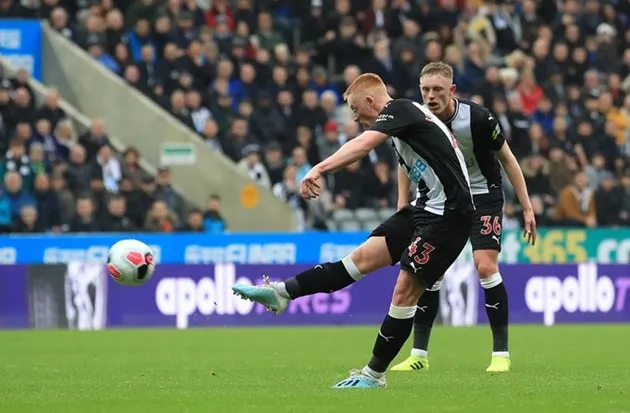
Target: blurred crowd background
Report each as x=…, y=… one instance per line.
x=261, y=82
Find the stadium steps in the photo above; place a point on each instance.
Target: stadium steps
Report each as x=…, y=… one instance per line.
x=135, y=120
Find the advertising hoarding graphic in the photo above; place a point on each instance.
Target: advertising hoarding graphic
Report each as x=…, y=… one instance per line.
x=552, y=294
x=46, y=296
x=81, y=296
x=553, y=246
x=198, y=295
x=13, y=297
x=67, y=296
x=85, y=286
x=21, y=44
x=458, y=295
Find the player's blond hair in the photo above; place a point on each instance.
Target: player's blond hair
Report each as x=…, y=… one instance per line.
x=437, y=68
x=368, y=84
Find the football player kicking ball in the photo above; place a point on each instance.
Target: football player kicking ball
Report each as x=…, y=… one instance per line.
x=441, y=217
x=481, y=140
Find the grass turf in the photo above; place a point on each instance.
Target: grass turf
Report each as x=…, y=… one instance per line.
x=559, y=369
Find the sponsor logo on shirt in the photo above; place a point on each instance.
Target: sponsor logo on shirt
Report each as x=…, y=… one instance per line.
x=384, y=117
x=496, y=132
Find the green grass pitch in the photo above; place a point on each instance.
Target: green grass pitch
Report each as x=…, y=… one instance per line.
x=563, y=369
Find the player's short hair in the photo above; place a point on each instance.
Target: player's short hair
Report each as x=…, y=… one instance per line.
x=437, y=68
x=368, y=83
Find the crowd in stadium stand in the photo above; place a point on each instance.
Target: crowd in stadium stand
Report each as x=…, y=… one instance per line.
x=261, y=82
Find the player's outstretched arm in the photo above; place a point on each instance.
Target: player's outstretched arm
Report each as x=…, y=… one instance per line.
x=352, y=151
x=403, y=188
x=515, y=175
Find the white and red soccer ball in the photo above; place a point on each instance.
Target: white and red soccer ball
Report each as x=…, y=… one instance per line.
x=130, y=262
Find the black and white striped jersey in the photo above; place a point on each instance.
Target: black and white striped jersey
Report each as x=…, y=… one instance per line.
x=479, y=136
x=429, y=154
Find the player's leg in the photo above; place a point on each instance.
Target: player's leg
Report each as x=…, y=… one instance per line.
x=486, y=244
x=436, y=245
x=496, y=304
x=391, y=336
x=384, y=247
x=426, y=311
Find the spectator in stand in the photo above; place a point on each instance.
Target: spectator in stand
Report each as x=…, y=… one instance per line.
x=130, y=166
x=114, y=218
x=288, y=190
x=66, y=136
x=23, y=109
x=160, y=218
x=96, y=49
x=21, y=81
x=274, y=162
x=382, y=187
x=609, y=201
x=165, y=192
x=576, y=204
x=194, y=221
x=349, y=189
x=48, y=204
x=213, y=222
x=17, y=160
x=66, y=198
x=107, y=168
x=78, y=172
x=84, y=219
x=38, y=162
x=17, y=195
x=50, y=110
x=554, y=73
x=28, y=221
x=94, y=139
x=44, y=136
x=253, y=166
x=300, y=161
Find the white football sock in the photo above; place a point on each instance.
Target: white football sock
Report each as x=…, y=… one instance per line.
x=369, y=372
x=282, y=290
x=501, y=354
x=416, y=352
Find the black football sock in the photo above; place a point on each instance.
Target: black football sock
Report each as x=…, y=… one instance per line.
x=427, y=310
x=323, y=278
x=497, y=310
x=391, y=337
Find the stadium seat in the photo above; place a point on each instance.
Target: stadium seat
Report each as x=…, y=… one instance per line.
x=350, y=225
x=366, y=214
x=341, y=215
x=370, y=225
x=385, y=213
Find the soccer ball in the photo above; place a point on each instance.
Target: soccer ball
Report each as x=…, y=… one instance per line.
x=130, y=262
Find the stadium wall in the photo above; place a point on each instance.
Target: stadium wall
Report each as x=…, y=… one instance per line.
x=575, y=276
x=139, y=122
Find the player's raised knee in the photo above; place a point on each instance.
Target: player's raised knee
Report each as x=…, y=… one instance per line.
x=371, y=255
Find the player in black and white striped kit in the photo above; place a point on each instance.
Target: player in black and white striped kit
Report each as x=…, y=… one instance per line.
x=426, y=238
x=482, y=142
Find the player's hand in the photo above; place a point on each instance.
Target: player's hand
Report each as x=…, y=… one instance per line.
x=529, y=220
x=310, y=187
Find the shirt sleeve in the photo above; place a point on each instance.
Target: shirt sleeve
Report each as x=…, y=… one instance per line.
x=492, y=132
x=396, y=117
